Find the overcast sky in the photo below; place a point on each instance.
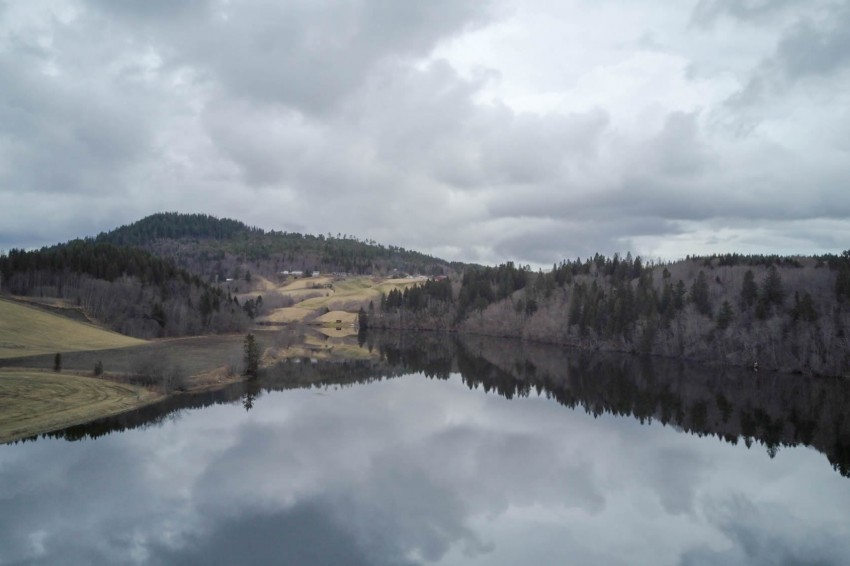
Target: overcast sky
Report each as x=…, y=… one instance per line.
x=472, y=130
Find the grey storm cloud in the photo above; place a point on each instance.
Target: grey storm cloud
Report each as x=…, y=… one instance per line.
x=303, y=54
x=478, y=131
x=809, y=49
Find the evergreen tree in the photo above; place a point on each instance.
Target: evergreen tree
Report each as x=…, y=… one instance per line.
x=842, y=282
x=252, y=356
x=679, y=295
x=774, y=293
x=804, y=309
x=726, y=316
x=749, y=290
x=699, y=294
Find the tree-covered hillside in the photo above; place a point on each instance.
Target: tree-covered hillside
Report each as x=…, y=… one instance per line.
x=128, y=289
x=220, y=248
x=785, y=313
x=173, y=225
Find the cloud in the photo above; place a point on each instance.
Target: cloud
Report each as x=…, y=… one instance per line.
x=64, y=138
x=481, y=131
x=706, y=12
x=760, y=537
x=812, y=49
x=305, y=55
x=816, y=49
x=305, y=534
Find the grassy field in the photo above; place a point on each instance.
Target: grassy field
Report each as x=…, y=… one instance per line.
x=338, y=318
x=33, y=402
x=28, y=331
x=346, y=295
x=34, y=399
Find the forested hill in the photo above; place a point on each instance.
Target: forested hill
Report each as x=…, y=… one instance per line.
x=791, y=314
x=220, y=248
x=125, y=288
x=173, y=225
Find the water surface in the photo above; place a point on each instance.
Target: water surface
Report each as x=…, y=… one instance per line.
x=420, y=457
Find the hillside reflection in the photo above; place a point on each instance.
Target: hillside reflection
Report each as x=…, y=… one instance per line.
x=768, y=410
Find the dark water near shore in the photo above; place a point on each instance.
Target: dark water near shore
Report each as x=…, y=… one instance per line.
x=444, y=452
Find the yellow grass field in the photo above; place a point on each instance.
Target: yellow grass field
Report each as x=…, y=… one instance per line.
x=32, y=402
x=27, y=331
x=289, y=314
x=307, y=283
x=347, y=295
x=338, y=318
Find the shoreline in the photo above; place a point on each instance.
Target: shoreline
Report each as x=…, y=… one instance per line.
x=66, y=415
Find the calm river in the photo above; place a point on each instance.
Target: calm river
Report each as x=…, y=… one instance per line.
x=437, y=452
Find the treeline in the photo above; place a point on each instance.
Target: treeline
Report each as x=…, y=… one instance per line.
x=99, y=260
x=784, y=313
x=125, y=288
x=419, y=297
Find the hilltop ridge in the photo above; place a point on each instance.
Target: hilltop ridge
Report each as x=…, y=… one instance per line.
x=220, y=248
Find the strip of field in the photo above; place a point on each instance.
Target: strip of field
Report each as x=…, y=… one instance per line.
x=28, y=331
x=344, y=295
x=33, y=402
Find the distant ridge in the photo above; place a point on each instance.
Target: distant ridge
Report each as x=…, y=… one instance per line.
x=220, y=248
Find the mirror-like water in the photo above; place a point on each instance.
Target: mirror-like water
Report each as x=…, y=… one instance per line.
x=478, y=453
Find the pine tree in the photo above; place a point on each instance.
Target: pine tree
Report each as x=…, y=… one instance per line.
x=749, y=290
x=252, y=356
x=774, y=293
x=699, y=294
x=726, y=315
x=842, y=282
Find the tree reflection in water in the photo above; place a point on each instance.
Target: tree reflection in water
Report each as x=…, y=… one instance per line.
x=770, y=409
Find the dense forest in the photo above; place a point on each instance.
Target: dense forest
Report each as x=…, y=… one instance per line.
x=219, y=248
x=782, y=313
x=126, y=289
